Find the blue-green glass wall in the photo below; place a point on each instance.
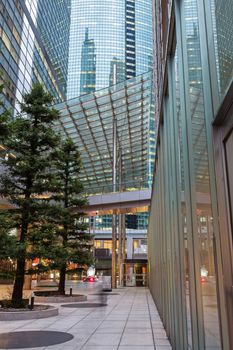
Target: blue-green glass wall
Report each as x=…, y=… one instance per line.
x=104, y=20
x=185, y=240
x=119, y=47
x=53, y=24
x=88, y=65
x=33, y=46
x=143, y=35
x=121, y=32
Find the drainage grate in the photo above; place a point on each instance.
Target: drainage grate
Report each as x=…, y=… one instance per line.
x=32, y=339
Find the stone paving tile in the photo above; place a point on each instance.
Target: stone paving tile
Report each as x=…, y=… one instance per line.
x=143, y=347
x=162, y=342
x=129, y=322
x=104, y=339
x=116, y=331
x=63, y=347
x=137, y=330
x=138, y=324
x=109, y=324
x=159, y=333
x=137, y=339
x=101, y=347
x=116, y=318
x=26, y=348
x=139, y=318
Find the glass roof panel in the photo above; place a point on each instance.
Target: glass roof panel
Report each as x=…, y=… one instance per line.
x=89, y=122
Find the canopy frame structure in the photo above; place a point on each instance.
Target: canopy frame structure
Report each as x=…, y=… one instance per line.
x=88, y=120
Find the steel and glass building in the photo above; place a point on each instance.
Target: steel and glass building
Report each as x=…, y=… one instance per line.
x=88, y=66
x=89, y=120
x=53, y=25
x=110, y=41
x=121, y=36
x=34, y=38
x=191, y=218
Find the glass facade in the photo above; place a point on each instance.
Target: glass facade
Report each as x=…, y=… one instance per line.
x=104, y=20
x=184, y=240
x=133, y=222
x=88, y=66
x=54, y=31
x=118, y=47
x=143, y=35
x=121, y=36
x=221, y=33
x=26, y=54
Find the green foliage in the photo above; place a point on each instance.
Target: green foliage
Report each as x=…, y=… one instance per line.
x=27, y=177
x=71, y=242
x=47, y=227
x=7, y=275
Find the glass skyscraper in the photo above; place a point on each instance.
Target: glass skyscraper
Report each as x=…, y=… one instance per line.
x=53, y=24
x=88, y=66
x=30, y=49
x=110, y=42
x=121, y=33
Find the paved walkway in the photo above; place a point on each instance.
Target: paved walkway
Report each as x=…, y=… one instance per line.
x=129, y=322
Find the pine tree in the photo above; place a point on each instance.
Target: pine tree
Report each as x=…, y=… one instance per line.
x=26, y=175
x=72, y=243
x=7, y=239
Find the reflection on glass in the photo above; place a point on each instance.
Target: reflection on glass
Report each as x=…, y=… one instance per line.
x=222, y=14
x=88, y=65
x=201, y=169
x=183, y=206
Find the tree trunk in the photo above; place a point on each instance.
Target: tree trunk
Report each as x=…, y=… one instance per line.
x=27, y=278
x=61, y=287
x=17, y=294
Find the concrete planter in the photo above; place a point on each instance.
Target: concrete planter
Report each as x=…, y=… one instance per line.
x=28, y=314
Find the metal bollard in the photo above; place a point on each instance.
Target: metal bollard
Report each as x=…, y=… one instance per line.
x=31, y=306
x=71, y=291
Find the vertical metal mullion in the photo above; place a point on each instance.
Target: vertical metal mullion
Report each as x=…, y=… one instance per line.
x=170, y=208
x=210, y=95
x=174, y=325
x=114, y=218
x=163, y=230
x=166, y=183
x=181, y=333
x=160, y=230
x=170, y=205
x=166, y=223
x=198, y=339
